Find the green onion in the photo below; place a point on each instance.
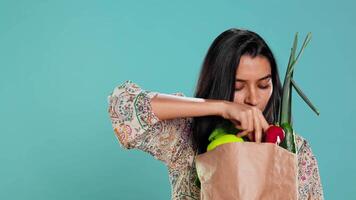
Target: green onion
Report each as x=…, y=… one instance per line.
x=285, y=110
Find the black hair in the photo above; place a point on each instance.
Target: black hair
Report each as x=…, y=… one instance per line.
x=217, y=78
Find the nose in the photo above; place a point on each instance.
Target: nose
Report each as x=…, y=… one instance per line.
x=251, y=98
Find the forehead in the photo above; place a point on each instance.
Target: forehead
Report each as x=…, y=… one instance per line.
x=252, y=69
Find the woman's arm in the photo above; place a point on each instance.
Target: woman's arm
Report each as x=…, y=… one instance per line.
x=167, y=106
x=158, y=123
x=247, y=118
x=137, y=127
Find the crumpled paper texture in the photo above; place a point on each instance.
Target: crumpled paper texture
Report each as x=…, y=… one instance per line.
x=247, y=171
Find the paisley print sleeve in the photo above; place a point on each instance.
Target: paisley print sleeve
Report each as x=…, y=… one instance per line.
x=136, y=126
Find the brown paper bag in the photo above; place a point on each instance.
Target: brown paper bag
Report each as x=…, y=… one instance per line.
x=247, y=171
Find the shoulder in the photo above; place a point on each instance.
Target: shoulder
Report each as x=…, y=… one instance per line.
x=299, y=140
x=127, y=86
x=304, y=149
x=301, y=143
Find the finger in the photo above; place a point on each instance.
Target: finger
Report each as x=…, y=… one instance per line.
x=251, y=126
x=247, y=129
x=250, y=121
x=244, y=121
x=243, y=133
x=264, y=123
x=258, y=128
x=237, y=124
x=251, y=134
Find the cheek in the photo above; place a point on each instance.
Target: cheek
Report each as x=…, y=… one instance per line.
x=267, y=95
x=239, y=97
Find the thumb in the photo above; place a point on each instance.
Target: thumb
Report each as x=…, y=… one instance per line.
x=242, y=134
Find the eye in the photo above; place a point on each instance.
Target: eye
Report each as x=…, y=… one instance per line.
x=264, y=87
x=238, y=89
x=261, y=87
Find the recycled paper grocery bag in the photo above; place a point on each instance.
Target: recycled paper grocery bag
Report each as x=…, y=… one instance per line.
x=247, y=171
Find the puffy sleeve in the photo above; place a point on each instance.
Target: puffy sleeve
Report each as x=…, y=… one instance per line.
x=310, y=186
x=136, y=126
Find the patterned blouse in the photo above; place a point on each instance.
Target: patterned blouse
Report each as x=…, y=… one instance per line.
x=136, y=126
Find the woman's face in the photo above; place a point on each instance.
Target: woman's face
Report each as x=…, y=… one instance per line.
x=253, y=84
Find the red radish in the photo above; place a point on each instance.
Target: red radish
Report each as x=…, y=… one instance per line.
x=274, y=134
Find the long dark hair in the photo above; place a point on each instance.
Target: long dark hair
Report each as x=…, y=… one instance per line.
x=217, y=78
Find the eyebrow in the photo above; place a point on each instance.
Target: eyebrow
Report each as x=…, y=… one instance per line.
x=265, y=77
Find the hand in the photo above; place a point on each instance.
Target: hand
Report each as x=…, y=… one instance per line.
x=246, y=118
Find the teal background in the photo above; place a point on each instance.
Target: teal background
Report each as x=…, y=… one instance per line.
x=59, y=60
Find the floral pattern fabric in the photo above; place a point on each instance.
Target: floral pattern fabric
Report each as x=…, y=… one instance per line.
x=136, y=126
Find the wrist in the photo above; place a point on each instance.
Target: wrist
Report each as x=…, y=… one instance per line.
x=222, y=107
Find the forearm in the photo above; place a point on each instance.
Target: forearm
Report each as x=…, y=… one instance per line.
x=166, y=106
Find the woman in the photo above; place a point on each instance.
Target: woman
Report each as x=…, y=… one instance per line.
x=239, y=82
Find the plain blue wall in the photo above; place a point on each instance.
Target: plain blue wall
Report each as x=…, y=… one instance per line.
x=60, y=59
